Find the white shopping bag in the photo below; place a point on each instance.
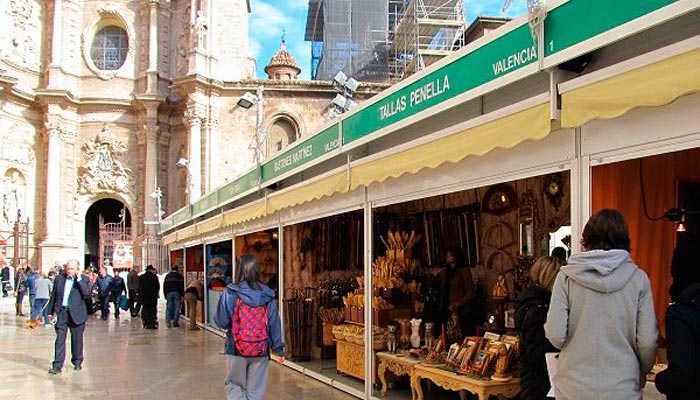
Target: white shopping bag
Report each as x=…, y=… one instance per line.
x=552, y=360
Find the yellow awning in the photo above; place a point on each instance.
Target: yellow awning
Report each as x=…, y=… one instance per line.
x=508, y=131
x=209, y=225
x=245, y=213
x=651, y=85
x=186, y=233
x=336, y=183
x=170, y=238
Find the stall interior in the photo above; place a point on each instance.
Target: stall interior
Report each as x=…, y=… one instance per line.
x=219, y=267
x=194, y=269
x=459, y=318
x=643, y=190
x=263, y=246
x=323, y=262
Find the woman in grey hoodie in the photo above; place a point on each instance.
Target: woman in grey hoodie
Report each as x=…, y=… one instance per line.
x=602, y=317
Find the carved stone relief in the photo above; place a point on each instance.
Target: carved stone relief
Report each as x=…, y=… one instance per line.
x=18, y=44
x=18, y=148
x=102, y=171
x=183, y=42
x=13, y=193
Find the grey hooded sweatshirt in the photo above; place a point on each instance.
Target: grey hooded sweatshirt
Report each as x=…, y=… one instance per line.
x=602, y=318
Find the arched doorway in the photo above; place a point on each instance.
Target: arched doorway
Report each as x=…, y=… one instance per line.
x=106, y=221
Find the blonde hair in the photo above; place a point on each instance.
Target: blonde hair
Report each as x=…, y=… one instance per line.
x=545, y=270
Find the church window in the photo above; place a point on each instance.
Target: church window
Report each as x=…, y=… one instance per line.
x=109, y=48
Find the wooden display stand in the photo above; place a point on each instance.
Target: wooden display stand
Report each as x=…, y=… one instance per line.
x=452, y=381
x=397, y=365
x=351, y=360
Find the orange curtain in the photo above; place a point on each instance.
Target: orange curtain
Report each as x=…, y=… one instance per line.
x=618, y=186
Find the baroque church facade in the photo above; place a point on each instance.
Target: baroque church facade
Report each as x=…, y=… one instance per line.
x=101, y=99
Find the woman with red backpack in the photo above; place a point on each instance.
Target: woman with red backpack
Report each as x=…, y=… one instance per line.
x=248, y=312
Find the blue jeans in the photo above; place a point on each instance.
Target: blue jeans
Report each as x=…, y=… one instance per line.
x=172, y=307
x=40, y=309
x=105, y=306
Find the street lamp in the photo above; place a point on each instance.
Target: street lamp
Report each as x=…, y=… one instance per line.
x=258, y=144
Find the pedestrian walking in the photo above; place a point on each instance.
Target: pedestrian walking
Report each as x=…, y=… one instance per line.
x=132, y=285
x=5, y=276
x=43, y=286
x=104, y=284
x=67, y=307
x=32, y=276
x=20, y=291
x=247, y=310
x=116, y=291
x=602, y=317
x=193, y=294
x=173, y=290
x=149, y=288
x=681, y=377
x=531, y=308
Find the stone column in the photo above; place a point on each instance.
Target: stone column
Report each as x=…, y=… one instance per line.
x=54, y=67
x=195, y=157
x=53, y=184
x=213, y=154
x=152, y=72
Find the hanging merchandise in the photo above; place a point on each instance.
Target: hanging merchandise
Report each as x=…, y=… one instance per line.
x=299, y=314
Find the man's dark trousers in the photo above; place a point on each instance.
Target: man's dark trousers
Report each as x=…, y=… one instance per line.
x=64, y=323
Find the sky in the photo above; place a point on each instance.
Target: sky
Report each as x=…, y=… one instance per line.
x=270, y=19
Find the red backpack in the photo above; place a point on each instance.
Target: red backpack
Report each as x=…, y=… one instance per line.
x=249, y=329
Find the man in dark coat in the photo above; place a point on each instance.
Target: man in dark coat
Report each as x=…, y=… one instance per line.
x=5, y=278
x=67, y=306
x=682, y=378
x=149, y=287
x=173, y=290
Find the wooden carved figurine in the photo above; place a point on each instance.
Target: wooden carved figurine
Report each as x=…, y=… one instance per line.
x=391, y=339
x=502, y=371
x=500, y=289
x=429, y=335
x=405, y=338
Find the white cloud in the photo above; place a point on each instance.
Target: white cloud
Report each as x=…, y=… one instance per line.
x=267, y=21
x=297, y=4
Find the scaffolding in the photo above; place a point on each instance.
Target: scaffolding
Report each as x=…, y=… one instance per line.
x=381, y=40
x=427, y=31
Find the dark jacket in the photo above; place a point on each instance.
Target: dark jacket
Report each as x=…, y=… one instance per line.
x=252, y=297
x=683, y=340
x=80, y=293
x=30, y=283
x=20, y=283
x=149, y=286
x=117, y=287
x=174, y=282
x=530, y=315
x=5, y=273
x=104, y=285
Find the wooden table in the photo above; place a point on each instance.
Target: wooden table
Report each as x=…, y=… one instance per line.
x=399, y=365
x=451, y=381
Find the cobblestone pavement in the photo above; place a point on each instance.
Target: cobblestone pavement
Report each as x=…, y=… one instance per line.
x=124, y=361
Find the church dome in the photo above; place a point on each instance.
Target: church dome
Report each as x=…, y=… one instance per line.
x=282, y=65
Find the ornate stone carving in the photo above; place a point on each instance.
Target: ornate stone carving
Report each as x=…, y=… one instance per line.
x=19, y=43
x=12, y=196
x=102, y=171
x=183, y=42
x=201, y=26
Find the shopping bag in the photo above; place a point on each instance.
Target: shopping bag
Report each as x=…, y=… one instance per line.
x=123, y=302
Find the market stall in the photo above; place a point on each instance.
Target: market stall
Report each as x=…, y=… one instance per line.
x=219, y=267
x=194, y=269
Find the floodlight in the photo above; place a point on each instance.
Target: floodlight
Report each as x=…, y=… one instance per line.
x=350, y=104
x=340, y=78
x=351, y=84
x=182, y=163
x=247, y=100
x=340, y=101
